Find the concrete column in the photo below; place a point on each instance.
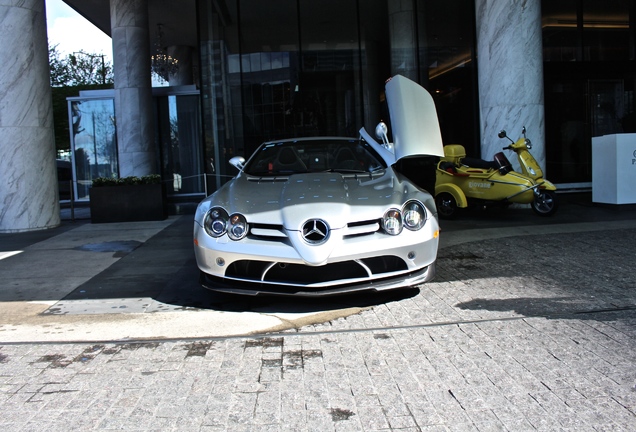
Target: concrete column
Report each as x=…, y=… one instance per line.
x=28, y=174
x=183, y=54
x=510, y=68
x=133, y=87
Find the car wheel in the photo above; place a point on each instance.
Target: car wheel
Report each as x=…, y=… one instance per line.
x=446, y=206
x=545, y=204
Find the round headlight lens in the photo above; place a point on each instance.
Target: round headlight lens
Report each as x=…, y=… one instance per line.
x=237, y=228
x=392, y=222
x=414, y=215
x=215, y=222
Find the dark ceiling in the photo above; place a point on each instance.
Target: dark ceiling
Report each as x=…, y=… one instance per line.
x=178, y=18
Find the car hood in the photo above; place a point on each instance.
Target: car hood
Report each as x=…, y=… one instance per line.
x=292, y=200
x=414, y=122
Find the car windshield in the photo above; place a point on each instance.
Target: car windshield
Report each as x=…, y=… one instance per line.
x=316, y=155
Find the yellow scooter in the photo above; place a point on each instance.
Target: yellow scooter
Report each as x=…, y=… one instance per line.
x=462, y=181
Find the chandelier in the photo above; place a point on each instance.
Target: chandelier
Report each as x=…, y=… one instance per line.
x=161, y=63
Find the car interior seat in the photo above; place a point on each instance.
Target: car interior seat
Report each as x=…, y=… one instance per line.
x=287, y=160
x=346, y=159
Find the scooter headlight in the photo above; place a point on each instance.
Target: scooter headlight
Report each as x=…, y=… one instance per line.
x=237, y=227
x=414, y=215
x=392, y=222
x=215, y=222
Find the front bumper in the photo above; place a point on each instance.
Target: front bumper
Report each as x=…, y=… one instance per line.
x=229, y=286
x=370, y=262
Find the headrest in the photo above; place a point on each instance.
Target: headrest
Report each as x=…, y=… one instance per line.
x=454, y=150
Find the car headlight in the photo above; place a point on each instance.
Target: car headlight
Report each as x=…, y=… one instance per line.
x=215, y=222
x=414, y=215
x=238, y=227
x=392, y=222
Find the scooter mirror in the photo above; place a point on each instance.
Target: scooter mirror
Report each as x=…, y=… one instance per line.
x=502, y=134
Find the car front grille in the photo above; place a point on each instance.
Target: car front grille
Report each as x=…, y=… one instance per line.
x=303, y=275
x=270, y=232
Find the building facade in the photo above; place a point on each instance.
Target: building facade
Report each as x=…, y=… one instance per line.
x=251, y=71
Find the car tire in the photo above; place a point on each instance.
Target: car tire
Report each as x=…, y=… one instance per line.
x=545, y=204
x=446, y=206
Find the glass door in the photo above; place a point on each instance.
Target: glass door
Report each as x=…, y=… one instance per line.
x=93, y=142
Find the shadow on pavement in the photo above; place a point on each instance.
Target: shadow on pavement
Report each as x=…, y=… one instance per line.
x=164, y=270
x=543, y=275
x=552, y=307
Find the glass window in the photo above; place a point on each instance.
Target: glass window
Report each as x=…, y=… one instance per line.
x=325, y=102
x=266, y=62
x=587, y=30
x=588, y=52
x=93, y=142
x=269, y=38
x=447, y=62
x=568, y=143
x=234, y=64
x=179, y=138
x=561, y=32
x=606, y=33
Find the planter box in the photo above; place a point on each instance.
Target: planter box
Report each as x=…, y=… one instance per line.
x=130, y=203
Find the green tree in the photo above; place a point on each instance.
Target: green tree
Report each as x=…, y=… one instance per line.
x=78, y=69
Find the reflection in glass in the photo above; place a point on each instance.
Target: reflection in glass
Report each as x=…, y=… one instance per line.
x=93, y=142
x=180, y=144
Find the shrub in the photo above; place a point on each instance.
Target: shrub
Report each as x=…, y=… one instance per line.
x=131, y=180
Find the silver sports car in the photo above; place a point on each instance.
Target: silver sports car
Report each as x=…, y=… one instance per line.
x=319, y=216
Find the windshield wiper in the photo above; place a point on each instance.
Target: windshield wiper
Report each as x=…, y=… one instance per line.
x=349, y=171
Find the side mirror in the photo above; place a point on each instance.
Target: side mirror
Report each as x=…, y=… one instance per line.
x=238, y=162
x=502, y=134
x=381, y=131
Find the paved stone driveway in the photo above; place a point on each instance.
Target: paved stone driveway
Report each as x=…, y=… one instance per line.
x=515, y=334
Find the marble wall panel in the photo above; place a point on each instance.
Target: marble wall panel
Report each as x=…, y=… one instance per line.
x=28, y=174
x=510, y=68
x=28, y=196
x=133, y=92
x=129, y=13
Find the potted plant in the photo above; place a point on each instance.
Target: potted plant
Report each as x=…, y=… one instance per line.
x=127, y=199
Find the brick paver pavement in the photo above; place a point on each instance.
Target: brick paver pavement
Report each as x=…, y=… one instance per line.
x=517, y=334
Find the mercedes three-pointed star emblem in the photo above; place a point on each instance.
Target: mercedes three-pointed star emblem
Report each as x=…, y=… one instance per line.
x=315, y=231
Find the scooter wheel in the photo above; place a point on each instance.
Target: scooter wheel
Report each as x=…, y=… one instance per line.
x=446, y=206
x=545, y=204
